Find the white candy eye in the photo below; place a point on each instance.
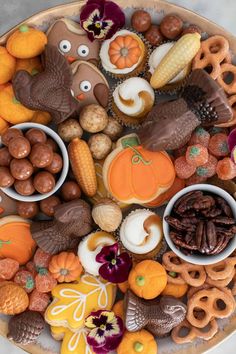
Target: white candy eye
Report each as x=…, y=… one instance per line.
x=65, y=46
x=83, y=50
x=72, y=92
x=85, y=86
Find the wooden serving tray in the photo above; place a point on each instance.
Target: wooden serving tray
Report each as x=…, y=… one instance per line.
x=157, y=8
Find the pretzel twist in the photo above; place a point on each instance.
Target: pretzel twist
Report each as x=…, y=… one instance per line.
x=222, y=269
x=230, y=87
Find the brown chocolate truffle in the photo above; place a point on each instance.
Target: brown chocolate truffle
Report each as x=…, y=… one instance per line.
x=6, y=179
x=9, y=134
x=154, y=36
x=56, y=164
x=50, y=142
x=141, y=21
x=19, y=147
x=27, y=210
x=47, y=206
x=41, y=155
x=36, y=136
x=24, y=187
x=5, y=157
x=44, y=182
x=191, y=29
x=171, y=26
x=21, y=169
x=70, y=191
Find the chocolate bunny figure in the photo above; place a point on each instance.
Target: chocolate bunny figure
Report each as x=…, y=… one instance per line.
x=158, y=316
x=71, y=221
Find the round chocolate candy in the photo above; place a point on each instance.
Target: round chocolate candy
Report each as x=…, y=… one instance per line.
x=47, y=206
x=171, y=26
x=27, y=210
x=141, y=21
x=36, y=136
x=9, y=134
x=21, y=169
x=44, y=182
x=25, y=187
x=56, y=164
x=41, y=155
x=19, y=147
x=191, y=29
x=70, y=191
x=5, y=157
x=50, y=142
x=154, y=36
x=6, y=179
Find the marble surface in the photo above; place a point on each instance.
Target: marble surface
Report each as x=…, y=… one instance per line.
x=219, y=11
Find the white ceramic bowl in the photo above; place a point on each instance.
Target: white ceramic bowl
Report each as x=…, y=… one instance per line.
x=37, y=197
x=200, y=259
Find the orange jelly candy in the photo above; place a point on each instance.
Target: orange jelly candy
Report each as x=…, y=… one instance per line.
x=38, y=301
x=226, y=169
x=8, y=268
x=42, y=259
x=196, y=155
x=183, y=169
x=25, y=279
x=44, y=281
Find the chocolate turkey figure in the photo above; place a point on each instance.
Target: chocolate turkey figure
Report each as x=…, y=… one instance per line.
x=49, y=90
x=89, y=84
x=72, y=41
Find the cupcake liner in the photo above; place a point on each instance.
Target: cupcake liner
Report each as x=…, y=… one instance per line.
x=123, y=119
x=154, y=254
x=141, y=68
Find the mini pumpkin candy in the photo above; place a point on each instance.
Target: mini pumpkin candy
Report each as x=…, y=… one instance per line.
x=147, y=279
x=12, y=110
x=41, y=118
x=7, y=64
x=32, y=65
x=65, y=267
x=26, y=42
x=133, y=174
x=137, y=342
x=118, y=309
x=15, y=239
x=175, y=290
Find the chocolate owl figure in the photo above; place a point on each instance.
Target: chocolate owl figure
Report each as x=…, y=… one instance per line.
x=89, y=85
x=71, y=221
x=49, y=90
x=72, y=41
x=158, y=316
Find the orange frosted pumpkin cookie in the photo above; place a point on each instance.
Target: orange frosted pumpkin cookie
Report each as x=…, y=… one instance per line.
x=15, y=239
x=133, y=174
x=7, y=64
x=13, y=298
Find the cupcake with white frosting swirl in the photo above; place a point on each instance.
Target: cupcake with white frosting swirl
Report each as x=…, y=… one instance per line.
x=132, y=100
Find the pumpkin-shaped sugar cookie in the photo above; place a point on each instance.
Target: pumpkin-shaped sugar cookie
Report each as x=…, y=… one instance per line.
x=73, y=303
x=7, y=65
x=15, y=239
x=133, y=174
x=26, y=42
x=11, y=109
x=138, y=342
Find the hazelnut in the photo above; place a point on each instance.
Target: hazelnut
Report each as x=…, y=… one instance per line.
x=47, y=206
x=70, y=191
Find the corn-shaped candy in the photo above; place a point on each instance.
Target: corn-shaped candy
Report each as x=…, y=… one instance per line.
x=83, y=166
x=178, y=57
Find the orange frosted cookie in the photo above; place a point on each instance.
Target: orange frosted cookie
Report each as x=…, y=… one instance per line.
x=134, y=175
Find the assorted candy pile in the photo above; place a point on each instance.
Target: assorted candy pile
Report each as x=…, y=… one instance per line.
x=91, y=260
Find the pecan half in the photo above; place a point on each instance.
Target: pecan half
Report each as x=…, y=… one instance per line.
x=221, y=202
x=199, y=234
x=224, y=220
x=204, y=202
x=176, y=238
x=211, y=213
x=211, y=235
x=178, y=225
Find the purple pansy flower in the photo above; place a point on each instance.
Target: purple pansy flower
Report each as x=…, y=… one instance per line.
x=115, y=267
x=101, y=19
x=106, y=331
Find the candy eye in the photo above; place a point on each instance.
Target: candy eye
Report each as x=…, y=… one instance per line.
x=65, y=46
x=83, y=50
x=85, y=86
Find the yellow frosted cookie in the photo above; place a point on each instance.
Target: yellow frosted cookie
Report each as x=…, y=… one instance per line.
x=72, y=303
x=72, y=343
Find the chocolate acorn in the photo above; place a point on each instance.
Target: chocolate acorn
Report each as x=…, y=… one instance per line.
x=49, y=90
x=71, y=221
x=169, y=125
x=158, y=316
x=26, y=327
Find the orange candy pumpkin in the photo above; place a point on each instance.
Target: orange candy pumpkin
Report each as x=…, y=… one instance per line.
x=147, y=279
x=15, y=239
x=133, y=174
x=118, y=309
x=175, y=290
x=26, y=42
x=138, y=342
x=12, y=110
x=124, y=51
x=7, y=65
x=32, y=65
x=65, y=267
